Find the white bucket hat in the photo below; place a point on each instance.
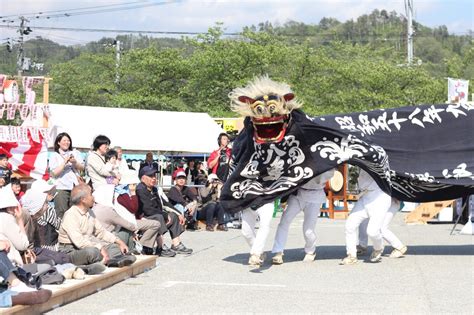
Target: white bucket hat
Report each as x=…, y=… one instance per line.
x=33, y=200
x=212, y=176
x=129, y=177
x=43, y=186
x=104, y=195
x=7, y=197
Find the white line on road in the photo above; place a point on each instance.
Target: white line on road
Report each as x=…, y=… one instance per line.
x=169, y=284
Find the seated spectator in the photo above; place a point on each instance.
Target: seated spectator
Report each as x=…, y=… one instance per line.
x=149, y=162
x=16, y=186
x=42, y=223
x=12, y=290
x=179, y=168
x=12, y=226
x=122, y=162
x=5, y=171
x=127, y=199
x=201, y=174
x=183, y=197
x=113, y=222
x=191, y=172
x=210, y=208
x=153, y=205
x=84, y=239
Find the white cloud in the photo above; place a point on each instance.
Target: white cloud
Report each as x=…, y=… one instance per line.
x=198, y=16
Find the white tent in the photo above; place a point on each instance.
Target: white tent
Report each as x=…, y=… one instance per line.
x=136, y=130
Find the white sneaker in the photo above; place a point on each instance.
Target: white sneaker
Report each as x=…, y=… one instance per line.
x=349, y=260
x=257, y=260
x=376, y=256
x=361, y=250
x=397, y=253
x=277, y=259
x=309, y=257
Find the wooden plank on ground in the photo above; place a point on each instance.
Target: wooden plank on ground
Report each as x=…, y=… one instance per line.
x=426, y=211
x=72, y=290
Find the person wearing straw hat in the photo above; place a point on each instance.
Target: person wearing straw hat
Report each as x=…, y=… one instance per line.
x=308, y=199
x=43, y=222
x=12, y=226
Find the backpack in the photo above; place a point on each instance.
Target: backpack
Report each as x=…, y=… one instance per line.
x=50, y=276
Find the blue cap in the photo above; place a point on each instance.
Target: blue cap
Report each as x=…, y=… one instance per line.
x=148, y=171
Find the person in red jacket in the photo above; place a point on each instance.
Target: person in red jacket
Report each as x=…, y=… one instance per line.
x=219, y=159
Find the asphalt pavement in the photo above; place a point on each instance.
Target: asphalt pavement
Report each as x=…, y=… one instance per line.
x=436, y=276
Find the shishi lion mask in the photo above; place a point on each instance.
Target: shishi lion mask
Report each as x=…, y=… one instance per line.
x=268, y=104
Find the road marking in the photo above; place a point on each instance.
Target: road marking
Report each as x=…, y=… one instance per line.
x=113, y=311
x=169, y=284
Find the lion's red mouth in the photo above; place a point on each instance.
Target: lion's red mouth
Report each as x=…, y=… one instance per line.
x=270, y=129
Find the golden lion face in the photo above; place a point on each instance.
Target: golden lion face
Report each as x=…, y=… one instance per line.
x=268, y=104
x=270, y=116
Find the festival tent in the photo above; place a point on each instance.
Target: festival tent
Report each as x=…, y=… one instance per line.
x=136, y=130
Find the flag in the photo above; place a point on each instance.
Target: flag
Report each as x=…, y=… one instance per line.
x=29, y=158
x=458, y=90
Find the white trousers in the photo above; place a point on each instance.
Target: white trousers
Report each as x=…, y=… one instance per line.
x=311, y=214
x=257, y=240
x=387, y=235
x=372, y=206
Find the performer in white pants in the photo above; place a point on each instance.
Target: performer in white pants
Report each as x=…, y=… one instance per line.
x=373, y=205
x=398, y=248
x=308, y=199
x=257, y=240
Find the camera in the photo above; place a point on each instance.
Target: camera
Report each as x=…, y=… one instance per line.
x=223, y=157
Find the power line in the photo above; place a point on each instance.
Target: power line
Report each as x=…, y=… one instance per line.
x=72, y=29
x=108, y=10
x=63, y=10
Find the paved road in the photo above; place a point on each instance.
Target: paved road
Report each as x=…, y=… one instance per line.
x=436, y=277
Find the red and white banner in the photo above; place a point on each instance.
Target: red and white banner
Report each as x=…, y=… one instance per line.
x=30, y=158
x=25, y=145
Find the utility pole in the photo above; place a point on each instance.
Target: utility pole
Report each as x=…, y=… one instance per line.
x=23, y=30
x=409, y=13
x=117, y=62
x=21, y=56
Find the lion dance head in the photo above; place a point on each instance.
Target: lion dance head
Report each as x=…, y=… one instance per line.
x=268, y=104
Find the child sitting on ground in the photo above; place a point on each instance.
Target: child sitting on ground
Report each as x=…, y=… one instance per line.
x=5, y=172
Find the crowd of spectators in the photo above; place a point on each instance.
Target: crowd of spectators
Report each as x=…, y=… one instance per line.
x=97, y=212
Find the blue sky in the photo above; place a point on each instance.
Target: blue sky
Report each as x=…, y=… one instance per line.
x=198, y=16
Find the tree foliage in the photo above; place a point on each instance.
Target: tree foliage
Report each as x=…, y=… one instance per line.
x=332, y=66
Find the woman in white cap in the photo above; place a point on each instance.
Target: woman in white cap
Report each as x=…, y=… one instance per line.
x=210, y=207
x=43, y=226
x=12, y=226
